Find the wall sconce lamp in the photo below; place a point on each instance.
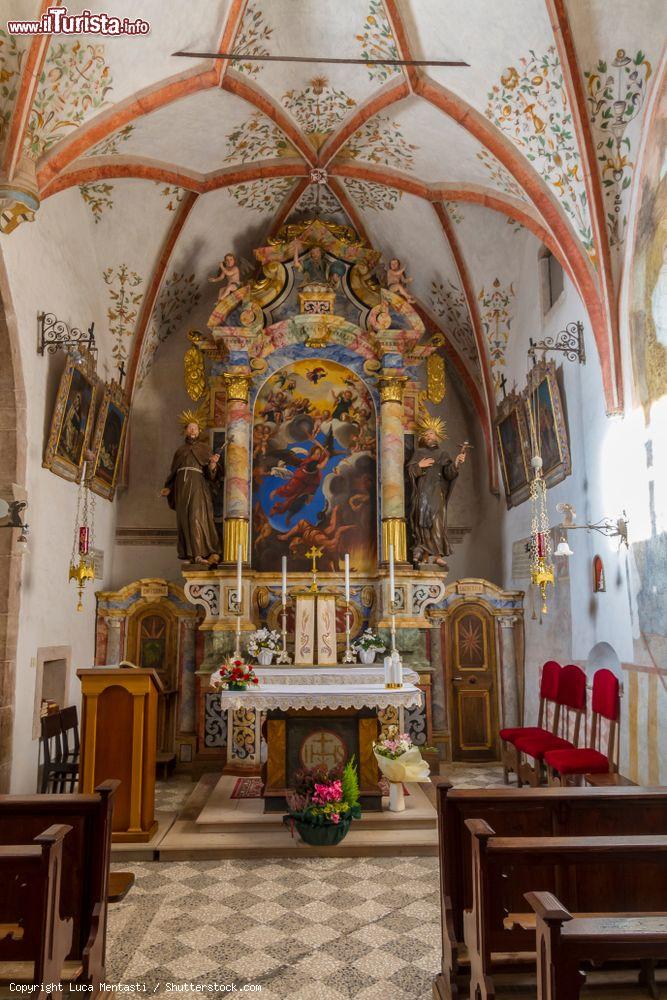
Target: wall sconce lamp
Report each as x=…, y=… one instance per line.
x=608, y=526
x=13, y=510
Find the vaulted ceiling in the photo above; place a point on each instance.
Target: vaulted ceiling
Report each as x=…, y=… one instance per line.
x=178, y=160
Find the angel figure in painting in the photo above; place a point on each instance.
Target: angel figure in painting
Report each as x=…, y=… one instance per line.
x=230, y=273
x=194, y=469
x=397, y=280
x=432, y=474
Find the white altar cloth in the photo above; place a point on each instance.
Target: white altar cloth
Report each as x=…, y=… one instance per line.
x=269, y=697
x=339, y=675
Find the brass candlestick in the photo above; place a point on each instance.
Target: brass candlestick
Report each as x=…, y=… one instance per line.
x=236, y=610
x=348, y=656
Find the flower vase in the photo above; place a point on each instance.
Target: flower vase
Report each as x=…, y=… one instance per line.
x=396, y=797
x=236, y=686
x=367, y=655
x=265, y=657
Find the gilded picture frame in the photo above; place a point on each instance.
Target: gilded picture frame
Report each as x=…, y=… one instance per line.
x=544, y=411
x=109, y=441
x=72, y=418
x=513, y=449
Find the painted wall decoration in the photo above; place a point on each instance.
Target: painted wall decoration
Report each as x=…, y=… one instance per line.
x=499, y=175
x=454, y=211
x=178, y=296
x=12, y=51
x=74, y=83
x=376, y=197
x=615, y=92
x=380, y=140
x=125, y=301
x=648, y=283
x=72, y=420
x=496, y=304
x=529, y=104
x=449, y=303
x=108, y=440
x=318, y=109
x=257, y=138
x=110, y=146
x=172, y=194
x=97, y=197
x=314, y=468
x=378, y=42
x=251, y=40
x=263, y=195
x=319, y=201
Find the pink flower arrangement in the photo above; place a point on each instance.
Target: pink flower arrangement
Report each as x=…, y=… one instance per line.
x=332, y=792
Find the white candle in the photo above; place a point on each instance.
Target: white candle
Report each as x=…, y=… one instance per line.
x=347, y=577
x=392, y=582
x=239, y=576
x=284, y=579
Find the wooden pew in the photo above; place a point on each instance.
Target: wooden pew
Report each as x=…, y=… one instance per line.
x=85, y=865
x=595, y=875
x=564, y=943
x=35, y=937
x=539, y=812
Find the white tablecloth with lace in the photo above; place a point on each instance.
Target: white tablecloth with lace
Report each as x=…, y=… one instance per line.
x=282, y=697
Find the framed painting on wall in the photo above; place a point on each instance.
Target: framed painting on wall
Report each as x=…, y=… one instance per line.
x=72, y=418
x=512, y=438
x=108, y=440
x=546, y=422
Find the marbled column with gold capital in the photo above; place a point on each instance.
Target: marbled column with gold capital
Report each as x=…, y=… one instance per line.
x=237, y=465
x=392, y=457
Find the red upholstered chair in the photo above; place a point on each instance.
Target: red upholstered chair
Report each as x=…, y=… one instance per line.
x=571, y=706
x=546, y=719
x=565, y=765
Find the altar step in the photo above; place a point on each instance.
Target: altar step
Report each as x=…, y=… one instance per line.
x=212, y=825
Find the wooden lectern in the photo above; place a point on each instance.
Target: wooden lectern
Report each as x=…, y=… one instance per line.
x=119, y=740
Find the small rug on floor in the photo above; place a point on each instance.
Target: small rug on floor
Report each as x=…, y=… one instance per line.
x=251, y=788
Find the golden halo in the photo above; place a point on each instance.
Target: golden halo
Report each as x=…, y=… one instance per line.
x=198, y=416
x=427, y=422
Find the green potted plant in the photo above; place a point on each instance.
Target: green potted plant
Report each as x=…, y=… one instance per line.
x=324, y=804
x=368, y=645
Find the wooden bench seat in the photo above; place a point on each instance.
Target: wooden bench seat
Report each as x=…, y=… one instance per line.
x=623, y=874
x=524, y=812
x=85, y=879
x=565, y=942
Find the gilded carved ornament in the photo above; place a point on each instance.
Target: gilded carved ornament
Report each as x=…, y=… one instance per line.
x=392, y=388
x=237, y=385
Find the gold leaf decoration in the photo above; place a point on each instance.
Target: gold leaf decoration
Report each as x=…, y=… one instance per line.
x=435, y=378
x=194, y=374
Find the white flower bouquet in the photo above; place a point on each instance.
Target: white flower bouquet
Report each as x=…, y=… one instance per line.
x=263, y=639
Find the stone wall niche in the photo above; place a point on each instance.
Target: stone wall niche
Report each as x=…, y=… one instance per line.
x=53, y=666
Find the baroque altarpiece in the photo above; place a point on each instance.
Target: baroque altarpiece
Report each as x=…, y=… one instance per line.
x=311, y=379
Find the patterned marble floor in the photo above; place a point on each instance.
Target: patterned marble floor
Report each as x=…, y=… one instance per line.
x=320, y=929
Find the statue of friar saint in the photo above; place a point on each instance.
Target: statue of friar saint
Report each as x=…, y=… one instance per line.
x=188, y=488
x=432, y=475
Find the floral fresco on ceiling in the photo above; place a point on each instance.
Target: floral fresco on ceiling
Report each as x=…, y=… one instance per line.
x=12, y=51
x=257, y=138
x=318, y=109
x=496, y=305
x=449, y=303
x=178, y=297
x=378, y=42
x=454, y=211
x=615, y=92
x=263, y=195
x=369, y=195
x=251, y=40
x=124, y=308
x=530, y=105
x=97, y=197
x=173, y=195
x=501, y=177
x=111, y=145
x=380, y=140
x=318, y=201
x=74, y=83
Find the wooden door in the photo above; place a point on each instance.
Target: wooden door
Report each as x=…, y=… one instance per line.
x=470, y=651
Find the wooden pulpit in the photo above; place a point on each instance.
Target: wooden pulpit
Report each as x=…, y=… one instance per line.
x=119, y=740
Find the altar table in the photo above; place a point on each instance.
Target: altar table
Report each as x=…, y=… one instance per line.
x=307, y=722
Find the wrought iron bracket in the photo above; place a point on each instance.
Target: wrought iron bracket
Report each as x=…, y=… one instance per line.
x=569, y=342
x=55, y=335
